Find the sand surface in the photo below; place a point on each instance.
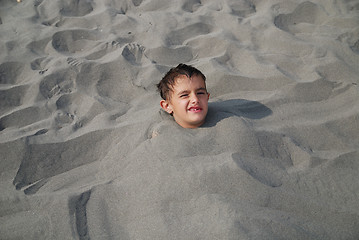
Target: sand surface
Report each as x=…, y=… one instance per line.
x=86, y=152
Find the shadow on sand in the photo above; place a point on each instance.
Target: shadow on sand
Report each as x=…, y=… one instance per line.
x=220, y=110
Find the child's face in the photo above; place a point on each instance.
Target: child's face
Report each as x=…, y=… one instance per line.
x=188, y=101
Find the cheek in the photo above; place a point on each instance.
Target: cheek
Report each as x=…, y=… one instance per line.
x=175, y=106
x=182, y=103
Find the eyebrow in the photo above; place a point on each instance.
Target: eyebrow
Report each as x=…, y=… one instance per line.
x=202, y=88
x=183, y=92
x=187, y=91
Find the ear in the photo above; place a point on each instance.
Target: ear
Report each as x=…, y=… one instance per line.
x=208, y=95
x=166, y=106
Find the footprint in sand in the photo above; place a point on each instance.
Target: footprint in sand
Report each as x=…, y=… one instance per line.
x=191, y=6
x=75, y=8
x=169, y=56
x=102, y=50
x=177, y=37
x=306, y=12
x=10, y=72
x=13, y=97
x=73, y=41
x=39, y=46
x=242, y=8
x=51, y=13
x=137, y=2
x=133, y=53
x=97, y=53
x=57, y=83
x=74, y=61
x=40, y=64
x=50, y=9
x=77, y=109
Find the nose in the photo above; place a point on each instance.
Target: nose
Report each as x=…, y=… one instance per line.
x=195, y=99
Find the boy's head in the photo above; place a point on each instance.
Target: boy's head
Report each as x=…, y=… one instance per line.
x=184, y=95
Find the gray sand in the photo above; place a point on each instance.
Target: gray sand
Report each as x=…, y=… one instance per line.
x=86, y=152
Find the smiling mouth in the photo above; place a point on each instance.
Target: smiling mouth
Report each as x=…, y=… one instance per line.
x=195, y=109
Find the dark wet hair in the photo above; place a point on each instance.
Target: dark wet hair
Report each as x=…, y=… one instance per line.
x=168, y=81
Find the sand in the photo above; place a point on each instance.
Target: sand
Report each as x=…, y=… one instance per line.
x=86, y=152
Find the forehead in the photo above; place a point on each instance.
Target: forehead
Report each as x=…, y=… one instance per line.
x=184, y=83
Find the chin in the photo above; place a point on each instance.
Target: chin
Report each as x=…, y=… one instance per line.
x=197, y=123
